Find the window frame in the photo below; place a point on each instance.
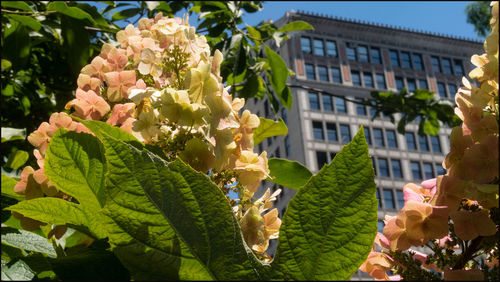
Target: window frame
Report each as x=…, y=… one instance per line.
x=393, y=52
x=302, y=45
x=322, y=48
x=328, y=49
x=313, y=72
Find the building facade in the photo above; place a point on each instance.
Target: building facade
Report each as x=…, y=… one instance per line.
x=344, y=60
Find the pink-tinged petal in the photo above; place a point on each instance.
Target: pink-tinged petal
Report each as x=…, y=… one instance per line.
x=128, y=124
x=469, y=225
x=39, y=176
x=410, y=195
x=128, y=77
x=463, y=275
x=112, y=78
x=39, y=158
x=382, y=241
x=121, y=112
x=395, y=278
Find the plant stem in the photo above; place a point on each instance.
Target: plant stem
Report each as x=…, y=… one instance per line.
x=467, y=254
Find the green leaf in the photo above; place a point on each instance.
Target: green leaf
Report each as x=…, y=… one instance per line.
x=329, y=226
x=279, y=70
x=72, y=12
x=174, y=197
x=431, y=126
x=27, y=21
x=100, y=127
x=268, y=128
x=75, y=163
x=296, y=25
x=8, y=184
x=423, y=94
x=20, y=5
x=17, y=159
x=18, y=271
x=125, y=14
x=6, y=64
x=254, y=33
x=27, y=241
x=76, y=43
x=290, y=174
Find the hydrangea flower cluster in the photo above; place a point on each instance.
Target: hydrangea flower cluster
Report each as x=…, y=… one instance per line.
x=161, y=85
x=468, y=190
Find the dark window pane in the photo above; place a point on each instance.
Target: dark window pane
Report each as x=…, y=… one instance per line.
x=422, y=141
x=401, y=199
x=310, y=74
x=336, y=75
x=378, y=137
x=360, y=109
x=391, y=138
x=367, y=76
x=380, y=225
x=436, y=66
x=389, y=199
x=399, y=83
x=410, y=141
x=287, y=146
x=331, y=48
x=327, y=103
x=439, y=169
x=412, y=86
x=373, y=165
x=459, y=70
x=351, y=54
x=378, y=198
x=313, y=101
x=405, y=60
x=356, y=79
x=417, y=62
x=452, y=89
x=428, y=171
x=422, y=84
x=318, y=47
x=305, y=44
x=441, y=90
x=318, y=130
x=394, y=58
x=331, y=132
x=367, y=135
x=340, y=105
x=321, y=159
x=363, y=53
x=372, y=111
x=345, y=134
x=376, y=59
x=284, y=115
x=323, y=73
x=277, y=153
x=436, y=145
x=415, y=170
x=383, y=167
x=447, y=66
x=381, y=81
x=332, y=156
x=396, y=169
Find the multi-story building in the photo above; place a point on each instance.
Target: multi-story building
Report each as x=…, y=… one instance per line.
x=344, y=60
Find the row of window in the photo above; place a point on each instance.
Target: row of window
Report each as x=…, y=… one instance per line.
x=363, y=79
x=343, y=134
x=406, y=60
x=444, y=65
x=323, y=73
x=423, y=143
x=387, y=167
x=360, y=53
x=388, y=201
x=318, y=47
x=429, y=170
x=381, y=137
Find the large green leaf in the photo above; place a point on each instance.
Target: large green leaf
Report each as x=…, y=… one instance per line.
x=296, y=25
x=287, y=173
x=152, y=198
x=100, y=127
x=27, y=241
x=17, y=159
x=18, y=271
x=279, y=75
x=75, y=163
x=268, y=128
x=73, y=12
x=21, y=5
x=329, y=227
x=8, y=184
x=27, y=21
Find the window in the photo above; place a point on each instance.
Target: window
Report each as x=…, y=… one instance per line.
x=441, y=90
x=327, y=103
x=410, y=141
x=428, y=171
x=367, y=76
x=401, y=198
x=356, y=79
x=287, y=146
x=391, y=138
x=318, y=47
x=418, y=63
x=266, y=108
x=381, y=81
x=383, y=167
x=405, y=60
x=305, y=45
x=277, y=153
x=373, y=165
x=363, y=53
x=331, y=132
x=396, y=169
x=313, y=101
x=389, y=199
x=436, y=66
x=351, y=53
x=378, y=198
x=372, y=111
x=415, y=170
x=399, y=83
x=345, y=134
x=318, y=130
x=422, y=141
x=360, y=109
x=340, y=105
x=422, y=84
x=323, y=73
x=436, y=145
x=336, y=75
x=375, y=54
x=459, y=70
x=284, y=115
x=439, y=169
x=321, y=159
x=310, y=74
x=452, y=89
x=380, y=224
x=447, y=66
x=261, y=149
x=367, y=135
x=394, y=58
x=331, y=49
x=332, y=156
x=378, y=137
x=412, y=86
